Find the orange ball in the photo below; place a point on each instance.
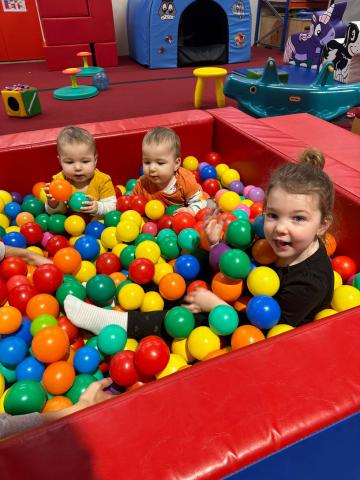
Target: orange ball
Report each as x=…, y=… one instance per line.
x=30, y=273
x=172, y=286
x=36, y=190
x=70, y=356
x=10, y=320
x=226, y=288
x=42, y=303
x=217, y=353
x=67, y=259
x=263, y=253
x=24, y=217
x=60, y=189
x=246, y=335
x=57, y=403
x=330, y=244
x=117, y=278
x=58, y=377
x=50, y=344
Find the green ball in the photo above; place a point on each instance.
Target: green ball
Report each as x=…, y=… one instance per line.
x=165, y=232
x=235, y=263
x=92, y=342
x=240, y=214
x=2, y=232
x=43, y=221
x=122, y=284
x=130, y=184
x=70, y=288
x=239, y=234
x=111, y=339
x=127, y=255
x=42, y=321
x=169, y=247
x=101, y=289
x=79, y=386
x=8, y=373
x=144, y=236
x=223, y=320
x=76, y=200
x=189, y=239
x=34, y=206
x=356, y=281
x=171, y=209
x=98, y=375
x=112, y=218
x=25, y=396
x=70, y=278
x=179, y=322
x=56, y=223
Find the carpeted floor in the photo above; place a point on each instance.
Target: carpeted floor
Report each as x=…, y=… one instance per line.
x=134, y=91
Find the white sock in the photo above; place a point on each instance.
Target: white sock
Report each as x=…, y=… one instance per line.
x=92, y=318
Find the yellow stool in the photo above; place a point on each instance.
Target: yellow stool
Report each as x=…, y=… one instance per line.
x=209, y=72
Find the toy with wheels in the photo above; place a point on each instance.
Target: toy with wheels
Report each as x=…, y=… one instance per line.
x=75, y=91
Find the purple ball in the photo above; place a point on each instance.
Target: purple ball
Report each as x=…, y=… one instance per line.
x=17, y=197
x=256, y=194
x=236, y=186
x=215, y=254
x=202, y=165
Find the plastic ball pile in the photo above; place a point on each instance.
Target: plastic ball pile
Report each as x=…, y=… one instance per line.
x=140, y=257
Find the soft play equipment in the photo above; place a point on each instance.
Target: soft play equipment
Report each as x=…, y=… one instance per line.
x=21, y=100
x=288, y=405
x=269, y=96
x=70, y=26
x=87, y=70
x=305, y=48
x=170, y=34
x=345, y=55
x=75, y=91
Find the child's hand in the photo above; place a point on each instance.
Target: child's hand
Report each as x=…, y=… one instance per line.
x=91, y=206
x=95, y=393
x=33, y=258
x=184, y=209
x=212, y=227
x=202, y=300
x=49, y=198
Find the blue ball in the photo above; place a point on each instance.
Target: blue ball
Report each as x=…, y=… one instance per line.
x=94, y=229
x=100, y=81
x=258, y=225
x=22, y=332
x=30, y=369
x=187, y=266
x=14, y=239
x=263, y=311
x=12, y=209
x=12, y=351
x=88, y=247
x=86, y=360
x=208, y=172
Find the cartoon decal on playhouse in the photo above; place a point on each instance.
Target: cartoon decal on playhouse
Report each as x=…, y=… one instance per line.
x=167, y=10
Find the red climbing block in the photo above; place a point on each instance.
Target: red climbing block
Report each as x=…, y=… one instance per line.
x=106, y=54
x=63, y=8
x=59, y=57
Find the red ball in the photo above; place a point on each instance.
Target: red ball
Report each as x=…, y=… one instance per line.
x=138, y=203
x=141, y=270
x=345, y=266
x=197, y=284
x=108, y=263
x=226, y=217
x=17, y=280
x=213, y=158
x=3, y=291
x=199, y=217
x=151, y=355
x=47, y=278
x=122, y=368
x=11, y=266
x=77, y=343
x=55, y=243
x=69, y=328
x=123, y=203
x=182, y=220
x=211, y=186
x=19, y=296
x=256, y=209
x=32, y=232
x=164, y=222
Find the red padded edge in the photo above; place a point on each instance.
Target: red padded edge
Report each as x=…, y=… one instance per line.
x=106, y=54
x=59, y=57
x=62, y=8
x=207, y=421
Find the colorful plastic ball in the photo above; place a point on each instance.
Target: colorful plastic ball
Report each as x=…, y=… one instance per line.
x=161, y=269
x=100, y=80
x=100, y=289
x=25, y=217
x=32, y=232
x=107, y=263
x=337, y=280
x=239, y=234
x=344, y=265
x=41, y=303
x=211, y=186
x=169, y=247
x=81, y=383
x=9, y=375
x=67, y=259
x=172, y=286
x=59, y=402
x=88, y=247
x=235, y=263
x=47, y=278
x=50, y=344
x=246, y=335
x=223, y=320
x=176, y=362
x=236, y=186
x=279, y=329
x=127, y=231
x=42, y=321
x=33, y=206
x=166, y=232
x=70, y=288
x=20, y=296
x=10, y=319
x=182, y=220
x=228, y=201
x=127, y=256
x=17, y=197
x=24, y=397
x=29, y=369
x=154, y=209
x=208, y=172
x=330, y=244
x=108, y=237
x=256, y=194
x=12, y=351
x=179, y=347
x=138, y=203
x=60, y=189
x=111, y=339
x=213, y=158
x=94, y=228
x=59, y=377
x=141, y=270
x=74, y=225
x=122, y=368
x=4, y=221
x=187, y=266
x=230, y=175
x=190, y=163
x=131, y=296
x=86, y=360
x=124, y=203
x=263, y=281
x=132, y=216
x=179, y=322
x=14, y=239
x=56, y=223
x=189, y=239
x=23, y=331
x=76, y=201
x=152, y=355
x=150, y=227
x=263, y=311
x=15, y=281
x=202, y=341
x=12, y=209
x=55, y=243
x=327, y=312
x=165, y=222
x=152, y=302
x=215, y=254
x=356, y=281
x=345, y=297
x=148, y=249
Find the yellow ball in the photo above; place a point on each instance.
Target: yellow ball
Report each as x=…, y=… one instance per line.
x=263, y=281
x=220, y=169
x=42, y=195
x=278, y=329
x=152, y=302
x=154, y=209
x=133, y=216
x=5, y=196
x=229, y=201
x=121, y=188
x=148, y=249
x=127, y=231
x=86, y=271
x=327, y=312
x=119, y=248
x=102, y=248
x=38, y=250
x=2, y=205
x=202, y=341
x=345, y=297
x=2, y=384
x=2, y=399
x=131, y=296
x=108, y=237
x=229, y=175
x=337, y=280
x=190, y=163
x=161, y=269
x=72, y=240
x=4, y=221
x=74, y=225
x=247, y=202
x=131, y=344
x=13, y=228
x=174, y=364
x=179, y=346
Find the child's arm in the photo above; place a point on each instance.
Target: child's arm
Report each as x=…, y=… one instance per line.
x=30, y=257
x=202, y=300
x=52, y=205
x=196, y=202
x=213, y=228
x=99, y=207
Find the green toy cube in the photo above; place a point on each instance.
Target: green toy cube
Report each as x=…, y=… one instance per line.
x=21, y=102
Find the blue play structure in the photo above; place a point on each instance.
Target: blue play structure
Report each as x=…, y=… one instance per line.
x=178, y=33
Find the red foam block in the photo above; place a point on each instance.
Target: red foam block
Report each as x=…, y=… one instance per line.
x=59, y=57
x=63, y=8
x=106, y=54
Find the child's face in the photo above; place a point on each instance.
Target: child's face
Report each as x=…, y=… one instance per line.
x=292, y=224
x=78, y=163
x=160, y=163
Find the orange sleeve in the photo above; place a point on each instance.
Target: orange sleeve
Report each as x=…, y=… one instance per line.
x=188, y=183
x=137, y=190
